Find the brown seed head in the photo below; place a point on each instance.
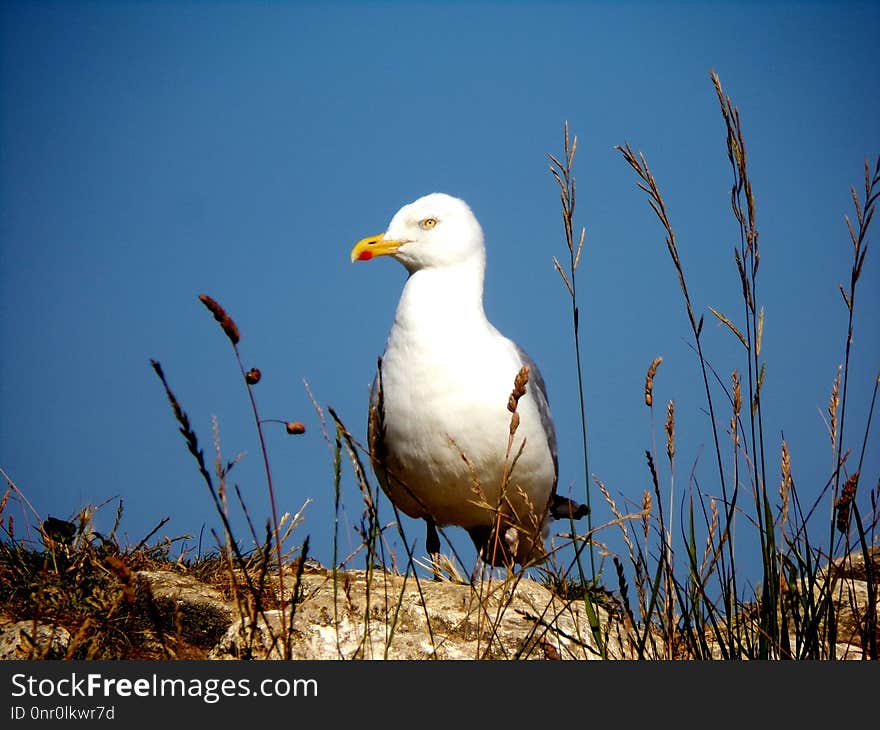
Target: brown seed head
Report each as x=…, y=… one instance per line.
x=713, y=523
x=786, y=482
x=670, y=430
x=519, y=388
x=514, y=422
x=833, y=403
x=737, y=393
x=229, y=327
x=125, y=576
x=847, y=495
x=252, y=377
x=649, y=381
x=295, y=428
x=646, y=511
x=849, y=489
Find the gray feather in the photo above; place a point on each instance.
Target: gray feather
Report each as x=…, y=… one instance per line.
x=540, y=394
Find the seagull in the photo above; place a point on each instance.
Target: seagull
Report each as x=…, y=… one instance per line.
x=442, y=442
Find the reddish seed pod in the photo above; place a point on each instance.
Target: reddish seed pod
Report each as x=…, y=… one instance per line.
x=252, y=377
x=295, y=427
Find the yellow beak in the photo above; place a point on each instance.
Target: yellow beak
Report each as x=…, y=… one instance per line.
x=371, y=246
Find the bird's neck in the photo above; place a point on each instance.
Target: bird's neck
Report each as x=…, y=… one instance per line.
x=443, y=296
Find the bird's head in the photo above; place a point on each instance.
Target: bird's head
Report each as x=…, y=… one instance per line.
x=434, y=231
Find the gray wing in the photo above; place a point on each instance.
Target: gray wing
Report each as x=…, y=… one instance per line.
x=559, y=507
x=376, y=426
x=540, y=394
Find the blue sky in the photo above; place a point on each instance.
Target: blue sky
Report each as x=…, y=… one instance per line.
x=150, y=152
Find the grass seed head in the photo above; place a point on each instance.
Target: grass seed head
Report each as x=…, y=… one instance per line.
x=670, y=430
x=833, y=405
x=519, y=388
x=847, y=495
x=737, y=393
x=226, y=322
x=252, y=377
x=786, y=483
x=649, y=381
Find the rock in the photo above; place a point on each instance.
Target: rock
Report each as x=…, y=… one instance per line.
x=199, y=611
x=27, y=640
x=380, y=615
x=853, y=565
x=385, y=616
x=849, y=591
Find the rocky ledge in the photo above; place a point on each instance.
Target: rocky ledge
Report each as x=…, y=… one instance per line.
x=356, y=615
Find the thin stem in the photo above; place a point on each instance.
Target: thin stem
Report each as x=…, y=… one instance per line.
x=272, y=502
x=562, y=173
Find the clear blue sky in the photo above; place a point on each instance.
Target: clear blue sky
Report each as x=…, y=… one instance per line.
x=150, y=152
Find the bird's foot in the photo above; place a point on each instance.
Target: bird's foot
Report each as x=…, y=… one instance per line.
x=432, y=545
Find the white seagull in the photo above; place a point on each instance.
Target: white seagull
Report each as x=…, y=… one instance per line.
x=439, y=422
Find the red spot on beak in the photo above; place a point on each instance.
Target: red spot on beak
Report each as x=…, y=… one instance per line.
x=365, y=256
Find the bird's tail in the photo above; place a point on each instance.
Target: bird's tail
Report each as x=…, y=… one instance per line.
x=563, y=508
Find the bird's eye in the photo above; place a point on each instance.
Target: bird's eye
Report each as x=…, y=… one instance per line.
x=427, y=224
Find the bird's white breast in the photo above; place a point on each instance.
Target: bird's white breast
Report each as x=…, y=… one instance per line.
x=447, y=376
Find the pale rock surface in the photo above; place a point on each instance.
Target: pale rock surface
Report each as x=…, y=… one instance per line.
x=25, y=640
x=353, y=616
x=388, y=617
x=200, y=611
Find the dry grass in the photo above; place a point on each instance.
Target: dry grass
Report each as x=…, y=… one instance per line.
x=86, y=583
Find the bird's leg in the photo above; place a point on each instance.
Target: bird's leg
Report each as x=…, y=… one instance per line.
x=479, y=566
x=480, y=536
x=489, y=554
x=432, y=545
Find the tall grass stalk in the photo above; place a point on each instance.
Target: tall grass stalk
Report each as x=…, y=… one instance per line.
x=231, y=330
x=747, y=258
x=562, y=172
x=864, y=215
